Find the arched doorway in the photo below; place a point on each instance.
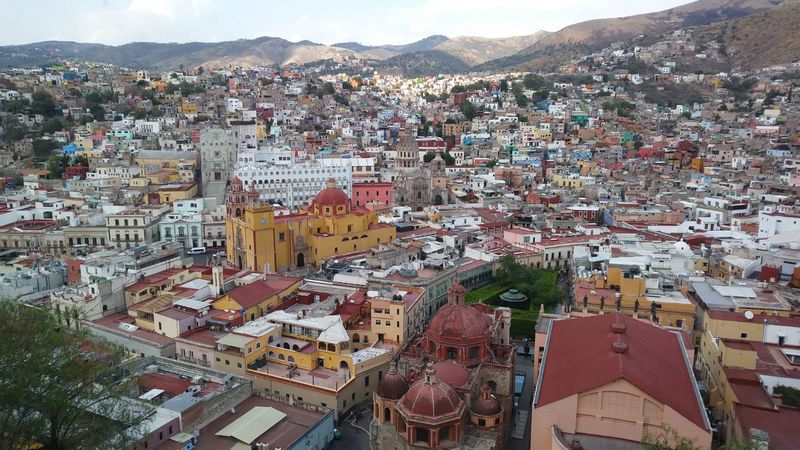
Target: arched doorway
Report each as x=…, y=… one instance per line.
x=240, y=262
x=344, y=366
x=438, y=200
x=301, y=260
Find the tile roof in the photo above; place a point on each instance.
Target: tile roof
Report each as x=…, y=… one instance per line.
x=652, y=360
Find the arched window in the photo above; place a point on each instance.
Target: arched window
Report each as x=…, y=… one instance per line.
x=271, y=355
x=356, y=338
x=281, y=357
x=286, y=345
x=331, y=347
x=295, y=347
x=290, y=359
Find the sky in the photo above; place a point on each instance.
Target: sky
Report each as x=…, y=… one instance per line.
x=370, y=22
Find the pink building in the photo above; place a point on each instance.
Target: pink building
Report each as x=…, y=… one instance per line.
x=522, y=236
x=611, y=379
x=197, y=346
x=364, y=193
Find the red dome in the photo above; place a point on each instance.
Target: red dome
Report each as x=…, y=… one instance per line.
x=430, y=398
x=452, y=373
x=458, y=321
x=392, y=386
x=332, y=195
x=236, y=180
x=486, y=404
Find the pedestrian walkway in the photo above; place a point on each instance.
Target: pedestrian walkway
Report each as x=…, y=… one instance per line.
x=520, y=423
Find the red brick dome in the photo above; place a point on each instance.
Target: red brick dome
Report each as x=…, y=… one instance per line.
x=332, y=196
x=392, y=386
x=430, y=398
x=486, y=404
x=458, y=321
x=237, y=180
x=452, y=373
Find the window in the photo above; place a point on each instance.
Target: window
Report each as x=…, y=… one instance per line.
x=227, y=362
x=239, y=365
x=743, y=335
x=281, y=237
x=366, y=380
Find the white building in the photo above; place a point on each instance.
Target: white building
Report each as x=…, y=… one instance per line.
x=772, y=223
x=296, y=185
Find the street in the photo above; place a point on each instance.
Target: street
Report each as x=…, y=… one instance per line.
x=355, y=433
x=524, y=365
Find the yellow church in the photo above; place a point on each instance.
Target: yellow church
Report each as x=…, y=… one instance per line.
x=259, y=240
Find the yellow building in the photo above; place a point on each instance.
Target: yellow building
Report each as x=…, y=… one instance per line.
x=725, y=342
x=259, y=240
x=672, y=308
x=176, y=192
x=254, y=299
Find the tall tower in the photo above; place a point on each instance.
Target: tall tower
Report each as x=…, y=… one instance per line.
x=217, y=160
x=407, y=153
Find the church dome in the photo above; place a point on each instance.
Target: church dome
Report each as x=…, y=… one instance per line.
x=237, y=181
x=487, y=404
x=430, y=398
x=452, y=373
x=456, y=320
x=331, y=195
x=392, y=386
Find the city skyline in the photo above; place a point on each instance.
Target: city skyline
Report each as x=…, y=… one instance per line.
x=118, y=22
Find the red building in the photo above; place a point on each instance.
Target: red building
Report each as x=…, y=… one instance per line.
x=364, y=193
x=78, y=171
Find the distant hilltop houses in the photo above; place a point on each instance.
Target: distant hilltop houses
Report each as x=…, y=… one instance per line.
x=603, y=256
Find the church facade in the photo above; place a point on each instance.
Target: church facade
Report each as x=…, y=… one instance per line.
x=418, y=184
x=259, y=240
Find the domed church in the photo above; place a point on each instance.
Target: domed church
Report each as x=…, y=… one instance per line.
x=452, y=386
x=260, y=240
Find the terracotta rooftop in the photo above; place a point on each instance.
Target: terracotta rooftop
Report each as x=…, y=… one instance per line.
x=591, y=353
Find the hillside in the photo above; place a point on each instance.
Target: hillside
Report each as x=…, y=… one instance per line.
x=759, y=40
x=261, y=51
x=430, y=62
x=585, y=37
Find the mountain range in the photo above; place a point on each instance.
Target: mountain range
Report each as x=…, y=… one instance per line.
x=540, y=50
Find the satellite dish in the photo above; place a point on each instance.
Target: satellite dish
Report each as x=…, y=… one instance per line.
x=748, y=315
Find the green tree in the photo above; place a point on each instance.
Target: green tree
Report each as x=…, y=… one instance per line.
x=52, y=395
x=16, y=106
x=521, y=99
x=503, y=85
x=468, y=110
x=428, y=156
x=56, y=165
x=458, y=88
x=142, y=83
x=533, y=82
x=139, y=114
x=789, y=396
x=328, y=89
x=43, y=148
x=43, y=104
x=14, y=131
x=448, y=159
x=98, y=112
x=80, y=160
x=52, y=125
